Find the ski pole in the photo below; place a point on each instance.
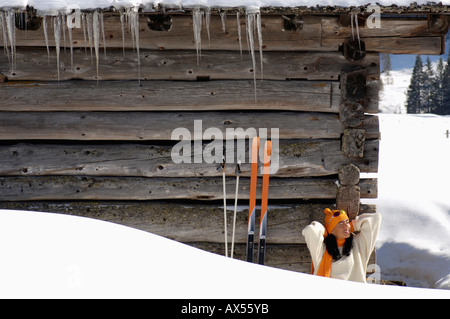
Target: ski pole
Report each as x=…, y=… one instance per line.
x=237, y=172
x=225, y=207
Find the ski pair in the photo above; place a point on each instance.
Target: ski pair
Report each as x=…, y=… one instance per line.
x=264, y=201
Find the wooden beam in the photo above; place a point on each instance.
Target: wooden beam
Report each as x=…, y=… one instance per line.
x=389, y=27
x=190, y=223
x=177, y=96
x=312, y=37
x=172, y=96
x=297, y=158
x=141, y=126
x=33, y=63
x=18, y=188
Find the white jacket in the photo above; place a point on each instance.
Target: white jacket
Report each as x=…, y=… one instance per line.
x=354, y=266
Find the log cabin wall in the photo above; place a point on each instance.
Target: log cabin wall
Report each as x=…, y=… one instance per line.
x=96, y=140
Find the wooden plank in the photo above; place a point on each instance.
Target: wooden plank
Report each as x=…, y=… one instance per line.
x=190, y=223
x=161, y=125
x=35, y=64
x=178, y=96
x=398, y=45
x=287, y=257
x=173, y=96
x=389, y=27
x=296, y=159
x=180, y=36
x=26, y=188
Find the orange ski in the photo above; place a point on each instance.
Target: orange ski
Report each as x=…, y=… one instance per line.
x=252, y=204
x=264, y=201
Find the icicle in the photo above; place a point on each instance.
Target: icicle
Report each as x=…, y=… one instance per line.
x=354, y=17
x=239, y=32
x=357, y=31
x=197, y=17
x=4, y=34
x=89, y=31
x=63, y=29
x=57, y=33
x=250, y=28
x=208, y=22
x=44, y=25
x=223, y=18
x=11, y=30
x=102, y=26
x=83, y=22
x=133, y=19
x=259, y=31
x=96, y=35
x=71, y=47
x=122, y=16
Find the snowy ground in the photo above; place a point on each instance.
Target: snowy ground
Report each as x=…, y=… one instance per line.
x=414, y=241
x=47, y=255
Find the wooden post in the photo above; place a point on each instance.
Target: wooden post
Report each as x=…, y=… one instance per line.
x=353, y=84
x=354, y=50
x=349, y=193
x=353, y=142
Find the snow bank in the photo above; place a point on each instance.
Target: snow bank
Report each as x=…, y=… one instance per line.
x=414, y=241
x=89, y=4
x=49, y=255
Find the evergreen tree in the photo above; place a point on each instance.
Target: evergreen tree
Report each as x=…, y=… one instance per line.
x=436, y=89
x=413, y=101
x=446, y=89
x=386, y=63
x=426, y=101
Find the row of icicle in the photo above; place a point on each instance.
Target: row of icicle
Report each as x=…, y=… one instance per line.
x=93, y=28
x=94, y=31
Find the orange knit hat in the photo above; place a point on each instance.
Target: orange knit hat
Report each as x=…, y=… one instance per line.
x=332, y=218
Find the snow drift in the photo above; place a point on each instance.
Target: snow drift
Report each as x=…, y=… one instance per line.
x=47, y=255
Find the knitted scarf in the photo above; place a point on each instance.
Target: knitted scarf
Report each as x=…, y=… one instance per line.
x=325, y=265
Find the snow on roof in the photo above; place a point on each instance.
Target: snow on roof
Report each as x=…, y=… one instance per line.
x=49, y=5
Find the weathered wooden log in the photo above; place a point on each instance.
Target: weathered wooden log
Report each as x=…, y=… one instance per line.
x=141, y=188
x=349, y=175
x=340, y=27
x=35, y=64
x=348, y=199
x=353, y=142
x=351, y=114
x=288, y=257
x=354, y=50
x=190, y=222
x=353, y=85
x=296, y=159
x=313, y=36
x=177, y=96
x=174, y=96
x=141, y=126
x=438, y=24
x=396, y=45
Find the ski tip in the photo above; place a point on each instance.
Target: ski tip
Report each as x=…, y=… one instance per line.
x=267, y=150
x=255, y=141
